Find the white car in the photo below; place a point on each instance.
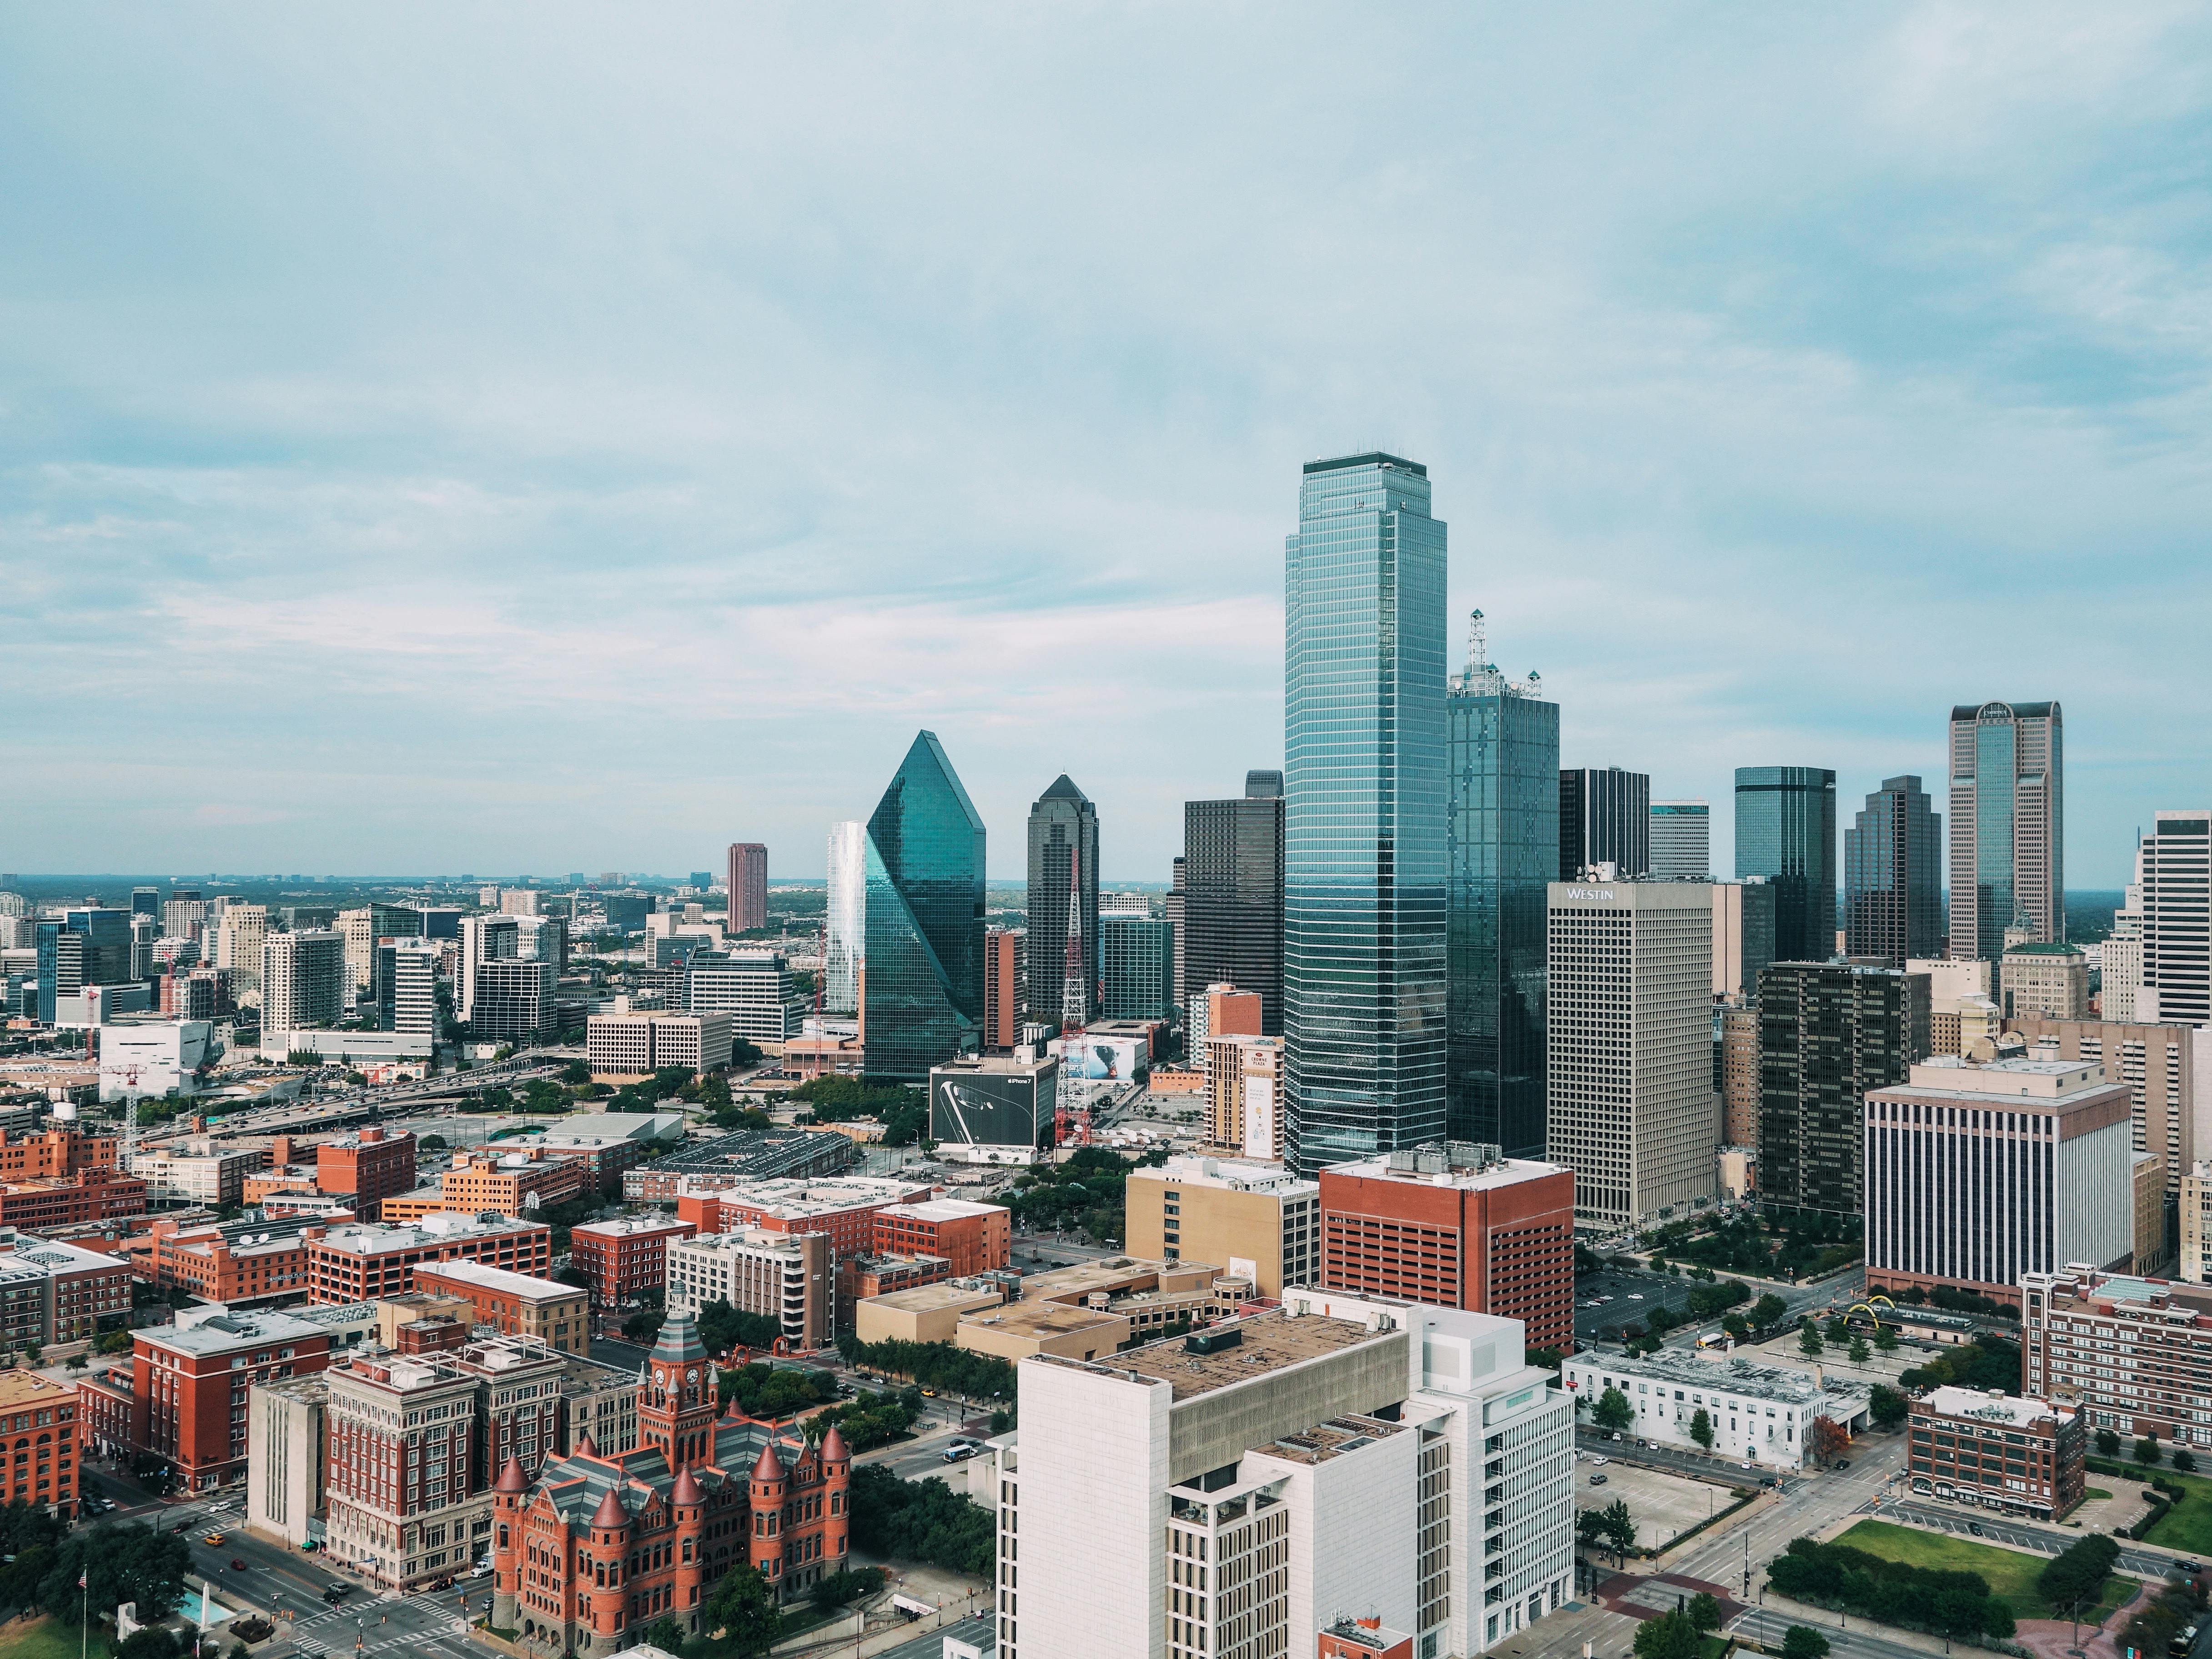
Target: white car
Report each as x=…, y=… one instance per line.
x=1596, y=1458
x=1636, y=1295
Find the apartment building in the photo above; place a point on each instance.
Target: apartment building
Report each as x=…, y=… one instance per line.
x=94, y=1194
x=626, y=1258
x=789, y=1277
x=356, y=1262
x=2019, y=1456
x=1244, y=1093
x=975, y=1238
x=1978, y=1173
x=2135, y=1355
x=199, y=1173
x=1760, y=1414
x=184, y=1399
x=52, y=1154
x=303, y=980
x=232, y=1262
x=1233, y=1492
x=56, y=1292
x=1259, y=1219
x=2167, y=1069
x=515, y=1305
x=511, y=1183
x=366, y=1167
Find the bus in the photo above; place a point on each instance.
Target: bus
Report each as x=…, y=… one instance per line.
x=2184, y=1640
x=1713, y=1339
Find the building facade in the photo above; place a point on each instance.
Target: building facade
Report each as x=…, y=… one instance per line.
x=355, y=1263
x=1364, y=845
x=2173, y=877
x=2008, y=824
x=1231, y=895
x=1063, y=871
x=1893, y=876
x=1828, y=1034
x=2131, y=1355
x=1785, y=831
x=1136, y=968
x=1605, y=817
x=754, y=989
x=1681, y=841
x=923, y=986
x=624, y=1259
x=1257, y=1219
x=845, y=934
x=1502, y=842
x=1244, y=1096
x=2167, y=1070
x=747, y=874
x=790, y=1278
x=1005, y=968
x=1762, y=1415
x=1632, y=1107
x=2044, y=981
x=366, y=1167
x=1743, y=936
x=514, y=1304
x=303, y=980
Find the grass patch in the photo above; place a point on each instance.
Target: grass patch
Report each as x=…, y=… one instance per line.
x=2098, y=1493
x=48, y=1638
x=2010, y=1574
x=2188, y=1525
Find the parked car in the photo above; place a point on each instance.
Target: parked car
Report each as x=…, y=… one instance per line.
x=237, y=1565
x=1975, y=1527
x=1597, y=1480
x=1600, y=1457
x=1842, y=1463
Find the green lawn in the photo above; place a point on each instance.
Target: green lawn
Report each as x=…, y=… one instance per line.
x=2188, y=1524
x=47, y=1638
x=2008, y=1573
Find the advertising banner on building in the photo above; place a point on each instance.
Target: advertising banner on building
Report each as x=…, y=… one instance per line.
x=1101, y=1058
x=977, y=1108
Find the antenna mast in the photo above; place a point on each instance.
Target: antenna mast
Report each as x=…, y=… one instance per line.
x=1074, y=1005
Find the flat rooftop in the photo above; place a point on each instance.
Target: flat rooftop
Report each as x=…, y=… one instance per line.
x=798, y=1200
x=2005, y=1408
x=227, y=1332
x=1333, y=1438
x=365, y=1240
x=525, y=1286
x=935, y=1298
x=631, y=1226
x=1271, y=1340
x=1040, y=1318
x=1449, y=1165
x=1119, y=1272
x=1226, y=1174
x=1770, y=1383
x=1951, y=1077
x=951, y=1209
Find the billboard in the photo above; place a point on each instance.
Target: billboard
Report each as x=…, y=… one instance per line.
x=975, y=1107
x=1102, y=1058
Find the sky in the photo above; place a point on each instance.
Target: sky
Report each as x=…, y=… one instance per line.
x=525, y=440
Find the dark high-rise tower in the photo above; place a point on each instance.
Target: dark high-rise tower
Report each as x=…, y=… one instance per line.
x=1828, y=1032
x=747, y=875
x=1062, y=824
x=1364, y=814
x=2008, y=824
x=922, y=998
x=1232, y=895
x=1605, y=817
x=1785, y=830
x=1893, y=880
x=1503, y=846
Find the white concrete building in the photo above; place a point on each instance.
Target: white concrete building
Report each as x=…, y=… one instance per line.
x=153, y=1057
x=788, y=1277
x=1681, y=841
x=205, y=1172
x=638, y=1044
x=237, y=947
x=755, y=988
x=2173, y=873
x=1760, y=1414
x=1629, y=1057
x=303, y=980
x=1229, y=1495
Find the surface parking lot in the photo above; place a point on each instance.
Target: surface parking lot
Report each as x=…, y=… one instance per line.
x=1665, y=1505
x=1604, y=1323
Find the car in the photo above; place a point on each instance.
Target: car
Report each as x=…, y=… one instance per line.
x=237, y=1565
x=337, y=1593
x=1842, y=1463
x=1636, y=1295
x=1600, y=1458
x=1975, y=1527
x=212, y=1538
x=2189, y=1566
x=1597, y=1480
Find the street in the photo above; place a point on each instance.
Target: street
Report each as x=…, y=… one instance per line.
x=2022, y=1535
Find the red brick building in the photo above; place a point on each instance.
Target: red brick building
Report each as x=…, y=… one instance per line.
x=94, y=1194
x=367, y=1167
x=625, y=1258
x=975, y=1238
x=844, y=1207
x=52, y=1152
x=39, y=1431
x=1456, y=1226
x=600, y=1548
x=184, y=1398
x=353, y=1263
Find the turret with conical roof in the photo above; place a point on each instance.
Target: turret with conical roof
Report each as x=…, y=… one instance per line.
x=676, y=1411
x=771, y=1486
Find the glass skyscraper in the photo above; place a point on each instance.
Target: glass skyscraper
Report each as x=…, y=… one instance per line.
x=1503, y=843
x=1363, y=1002
x=2007, y=825
x=845, y=943
x=1892, y=883
x=1785, y=830
x=85, y=947
x=923, y=978
x=1605, y=817
x=1232, y=895
x=1063, y=823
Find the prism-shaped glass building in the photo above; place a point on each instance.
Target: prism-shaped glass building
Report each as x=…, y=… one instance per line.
x=922, y=974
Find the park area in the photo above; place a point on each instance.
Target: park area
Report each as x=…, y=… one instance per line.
x=2188, y=1525
x=2010, y=1574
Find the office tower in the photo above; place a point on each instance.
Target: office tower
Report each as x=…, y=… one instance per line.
x=1063, y=828
x=1828, y=1034
x=845, y=928
x=146, y=901
x=1233, y=894
x=183, y=916
x=484, y=939
x=1220, y=1011
x=303, y=981
x=1785, y=830
x=1958, y=997
x=2008, y=824
x=1003, y=951
x=1738, y=1017
x=1363, y=910
x=2173, y=872
x=1251, y=1213
x=144, y=932
x=2120, y=995
x=404, y=981
x=748, y=883
x=1176, y=919
x=1501, y=843
x=1743, y=936
x=519, y=901
x=1628, y=1060
x=1379, y=1455
x=1605, y=817
x=1892, y=875
x=364, y=925
x=83, y=947
x=237, y=945
x=1682, y=840
x=512, y=998
x=2044, y=981
x=1244, y=1095
x=1136, y=968
x=1978, y=1173
x=2167, y=1070
x=543, y=938
x=924, y=923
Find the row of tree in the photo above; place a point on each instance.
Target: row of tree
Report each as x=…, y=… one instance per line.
x=937, y=1365
x=1941, y=1603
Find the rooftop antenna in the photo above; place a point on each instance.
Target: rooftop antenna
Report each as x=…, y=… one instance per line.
x=1478, y=644
x=1074, y=1009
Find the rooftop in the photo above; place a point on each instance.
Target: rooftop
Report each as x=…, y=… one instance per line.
x=1232, y=1174
x=958, y=1294
x=525, y=1286
x=1041, y=1319
x=631, y=1226
x=1953, y=1077
x=24, y=1388
x=1467, y=1166
x=589, y=1128
x=1006, y=1065
x=1114, y=1274
x=1770, y=1383
x=1333, y=1438
x=1270, y=1341
x=949, y=1209
x=1991, y=1406
x=227, y=1332
x=362, y=1239
x=798, y=1200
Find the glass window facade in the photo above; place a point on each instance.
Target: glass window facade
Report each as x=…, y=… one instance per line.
x=1136, y=967
x=1232, y=898
x=2007, y=825
x=1363, y=821
x=1785, y=830
x=1996, y=785
x=922, y=975
x=1502, y=845
x=1062, y=822
x=1892, y=884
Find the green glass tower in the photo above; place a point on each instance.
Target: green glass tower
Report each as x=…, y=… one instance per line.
x=1785, y=830
x=922, y=974
x=1503, y=843
x=1363, y=923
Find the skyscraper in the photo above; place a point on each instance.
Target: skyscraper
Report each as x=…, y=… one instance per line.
x=2174, y=871
x=748, y=880
x=1363, y=815
x=1503, y=843
x=2008, y=824
x=845, y=932
x=85, y=947
x=1605, y=817
x=303, y=980
x=1682, y=840
x=1002, y=988
x=924, y=925
x=1829, y=1033
x=1136, y=967
x=1785, y=830
x=1233, y=894
x=1063, y=826
x=1893, y=883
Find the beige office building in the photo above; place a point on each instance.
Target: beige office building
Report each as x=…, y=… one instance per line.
x=1955, y=984
x=1629, y=1065
x=2195, y=1221
x=238, y=945
x=1244, y=1095
x=2168, y=1071
x=2014, y=755
x=1739, y=1019
x=1259, y=1220
x=2150, y=1213
x=2044, y=981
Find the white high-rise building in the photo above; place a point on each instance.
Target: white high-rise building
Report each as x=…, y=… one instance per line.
x=2173, y=874
x=407, y=986
x=1681, y=841
x=238, y=945
x=847, y=940
x=1230, y=1494
x=484, y=939
x=1628, y=1061
x=303, y=981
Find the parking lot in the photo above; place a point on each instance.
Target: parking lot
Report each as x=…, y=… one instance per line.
x=1665, y=1505
x=1634, y=1296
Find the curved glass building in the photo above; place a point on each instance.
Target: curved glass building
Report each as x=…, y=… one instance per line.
x=923, y=987
x=845, y=943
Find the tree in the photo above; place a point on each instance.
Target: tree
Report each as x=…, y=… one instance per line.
x=1824, y=1438
x=1858, y=1350
x=665, y=1634
x=1887, y=1408
x=1808, y=1340
x=1614, y=1412
x=2077, y=1577
x=1838, y=1331
x=1804, y=1642
x=2184, y=1458
x=742, y=1611
x=576, y=1071
x=1701, y=1428
x=128, y=1562
x=1737, y=1327
x=1768, y=1309
x=1670, y=1635
x=77, y=1362
x=2108, y=1443
x=2147, y=1451
x=1705, y=1611
x=1619, y=1527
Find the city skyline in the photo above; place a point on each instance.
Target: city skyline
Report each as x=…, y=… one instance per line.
x=698, y=479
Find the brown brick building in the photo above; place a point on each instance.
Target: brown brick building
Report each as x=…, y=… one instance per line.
x=500, y=1185
x=515, y=1305
x=94, y=1194
x=54, y=1152
x=975, y=1238
x=356, y=1263
x=2020, y=1456
x=625, y=1258
x=367, y=1167
x=1457, y=1226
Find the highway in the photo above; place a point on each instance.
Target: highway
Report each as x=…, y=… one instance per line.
x=356, y=1105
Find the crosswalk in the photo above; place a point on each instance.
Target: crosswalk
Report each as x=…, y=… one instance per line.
x=332, y=1632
